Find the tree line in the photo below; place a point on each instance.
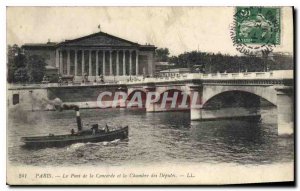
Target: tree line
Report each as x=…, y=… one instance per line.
x=212, y=63
x=22, y=68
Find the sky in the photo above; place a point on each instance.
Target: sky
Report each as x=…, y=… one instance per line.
x=180, y=29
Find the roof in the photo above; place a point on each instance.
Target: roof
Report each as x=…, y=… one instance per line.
x=99, y=39
x=40, y=45
x=164, y=64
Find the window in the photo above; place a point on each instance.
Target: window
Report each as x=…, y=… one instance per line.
x=15, y=99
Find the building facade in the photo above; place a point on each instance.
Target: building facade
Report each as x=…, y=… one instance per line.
x=95, y=56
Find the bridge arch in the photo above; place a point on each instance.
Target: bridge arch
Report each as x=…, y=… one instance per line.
x=267, y=93
x=163, y=89
x=235, y=98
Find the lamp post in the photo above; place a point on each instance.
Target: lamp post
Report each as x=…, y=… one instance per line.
x=31, y=100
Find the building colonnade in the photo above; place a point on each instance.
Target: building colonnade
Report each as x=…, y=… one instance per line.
x=93, y=62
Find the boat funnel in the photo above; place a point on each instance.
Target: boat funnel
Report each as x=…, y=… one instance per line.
x=76, y=108
x=78, y=119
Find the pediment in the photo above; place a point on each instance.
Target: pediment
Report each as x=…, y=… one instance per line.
x=99, y=39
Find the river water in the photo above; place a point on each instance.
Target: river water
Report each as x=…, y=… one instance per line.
x=166, y=137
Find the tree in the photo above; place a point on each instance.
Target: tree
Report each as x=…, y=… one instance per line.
x=20, y=75
x=15, y=60
x=162, y=54
x=36, y=68
x=212, y=63
x=22, y=68
x=173, y=59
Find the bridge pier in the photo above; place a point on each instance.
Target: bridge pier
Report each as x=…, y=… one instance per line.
x=285, y=110
x=196, y=92
x=121, y=93
x=151, y=106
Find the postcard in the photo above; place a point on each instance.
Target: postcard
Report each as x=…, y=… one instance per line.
x=150, y=95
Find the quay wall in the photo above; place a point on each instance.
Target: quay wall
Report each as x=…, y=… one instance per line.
x=34, y=98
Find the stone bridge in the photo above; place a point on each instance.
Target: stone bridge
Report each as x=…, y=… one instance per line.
x=221, y=96
x=217, y=96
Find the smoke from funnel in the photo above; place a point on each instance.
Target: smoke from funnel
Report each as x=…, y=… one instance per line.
x=76, y=108
x=42, y=102
x=58, y=105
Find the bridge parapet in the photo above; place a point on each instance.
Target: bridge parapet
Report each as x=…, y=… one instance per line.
x=279, y=74
x=272, y=75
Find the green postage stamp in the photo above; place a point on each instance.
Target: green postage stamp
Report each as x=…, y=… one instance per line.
x=258, y=25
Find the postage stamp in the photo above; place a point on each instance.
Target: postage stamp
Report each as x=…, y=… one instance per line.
x=258, y=25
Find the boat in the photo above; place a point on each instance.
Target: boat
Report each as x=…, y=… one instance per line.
x=82, y=137
x=94, y=134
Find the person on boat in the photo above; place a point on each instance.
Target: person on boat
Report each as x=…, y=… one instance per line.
x=72, y=131
x=94, y=129
x=106, y=128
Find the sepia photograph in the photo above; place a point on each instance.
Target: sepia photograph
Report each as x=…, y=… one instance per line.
x=150, y=95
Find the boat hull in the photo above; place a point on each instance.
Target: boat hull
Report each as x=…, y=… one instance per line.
x=64, y=140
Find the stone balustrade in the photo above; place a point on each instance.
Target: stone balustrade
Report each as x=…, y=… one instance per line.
x=279, y=74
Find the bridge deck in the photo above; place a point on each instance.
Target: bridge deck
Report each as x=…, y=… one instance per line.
x=272, y=77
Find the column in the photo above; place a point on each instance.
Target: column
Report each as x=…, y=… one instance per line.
x=137, y=64
x=124, y=69
x=117, y=67
x=82, y=63
x=110, y=64
x=130, y=63
x=61, y=62
x=68, y=63
x=90, y=63
x=97, y=64
x=151, y=66
x=103, y=64
x=76, y=65
x=57, y=58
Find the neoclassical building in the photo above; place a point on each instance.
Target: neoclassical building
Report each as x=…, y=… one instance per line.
x=95, y=55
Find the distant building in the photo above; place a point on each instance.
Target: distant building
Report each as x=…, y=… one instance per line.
x=47, y=51
x=95, y=55
x=174, y=72
x=159, y=66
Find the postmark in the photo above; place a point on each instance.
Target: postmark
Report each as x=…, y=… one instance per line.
x=256, y=30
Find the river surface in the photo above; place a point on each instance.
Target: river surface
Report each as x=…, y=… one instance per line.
x=166, y=137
